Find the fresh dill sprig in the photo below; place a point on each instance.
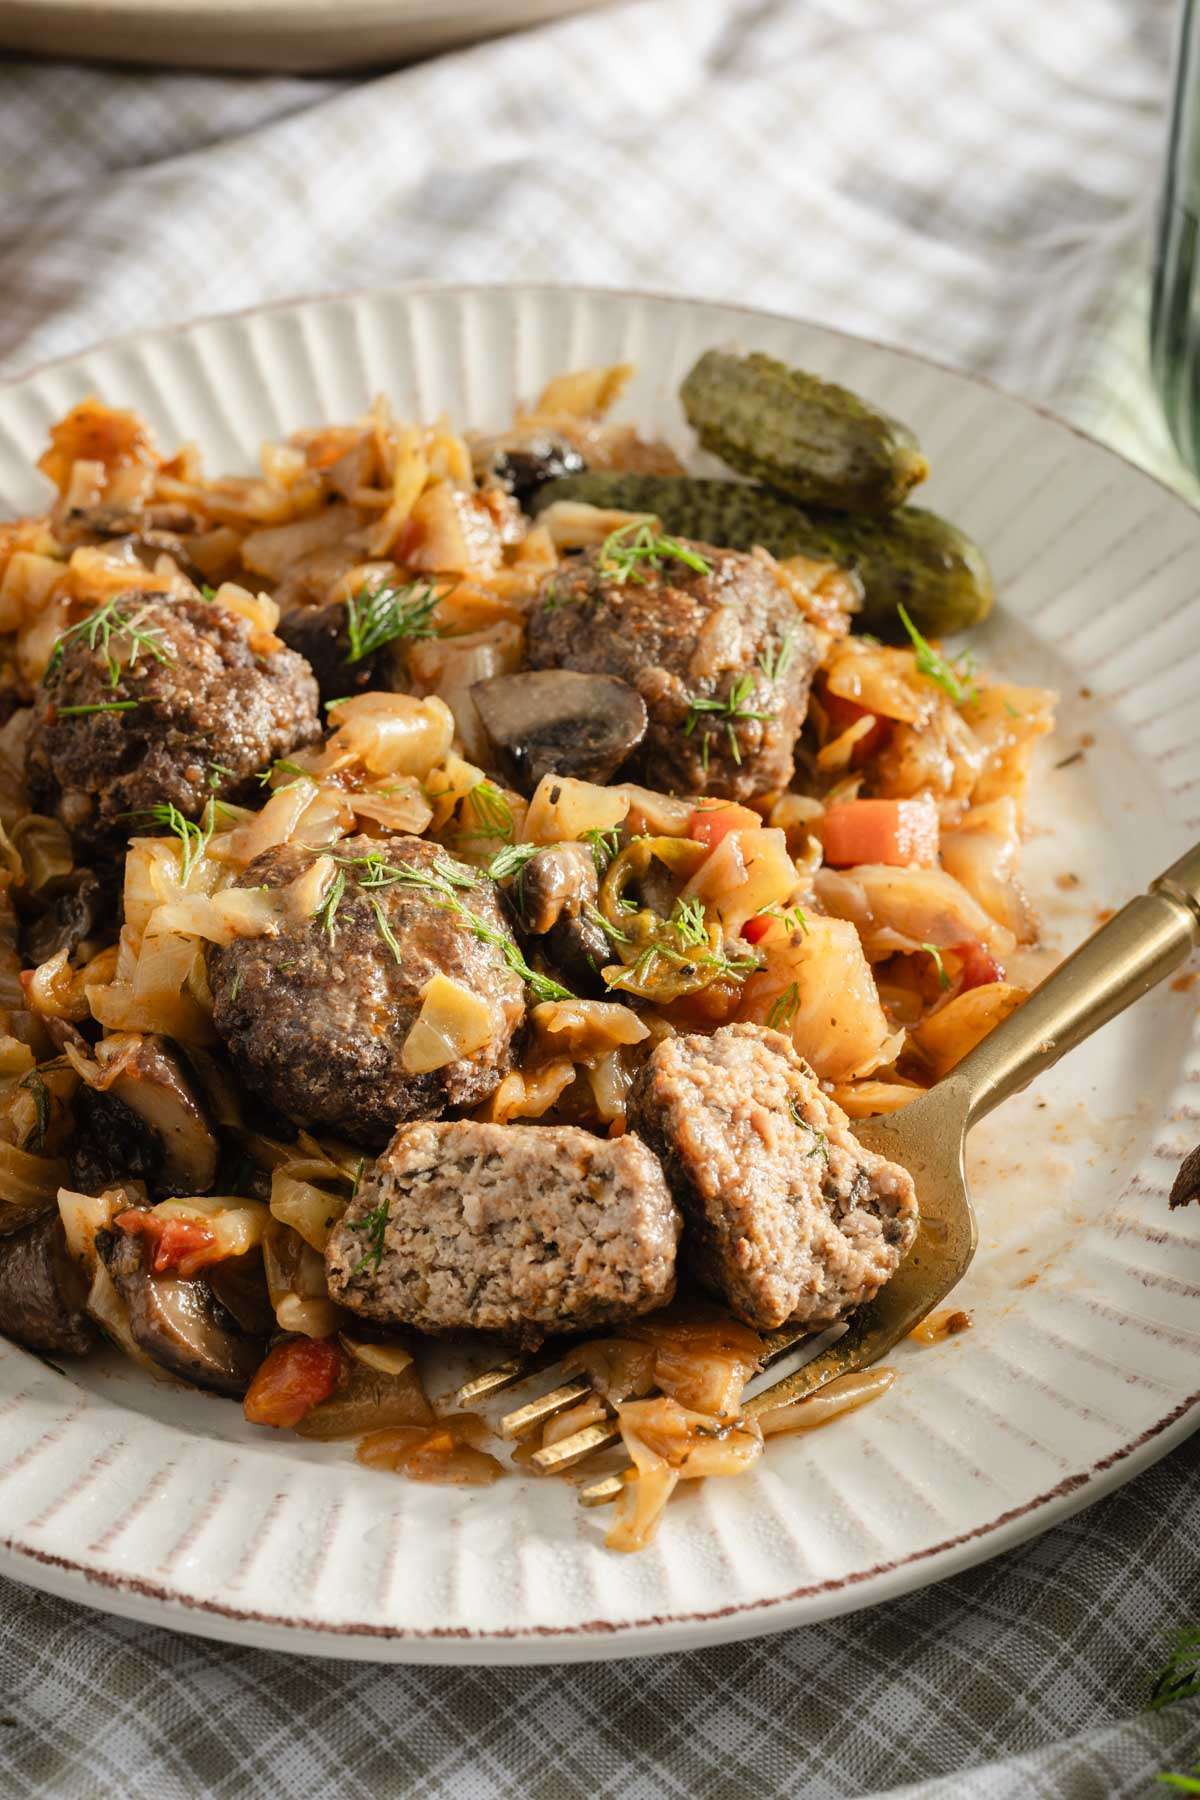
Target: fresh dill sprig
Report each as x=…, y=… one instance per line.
x=606, y=847
x=626, y=552
x=820, y=1141
x=326, y=913
x=206, y=592
x=493, y=813
x=511, y=860
x=611, y=931
x=784, y=1008
x=794, y=917
x=375, y=1225
x=954, y=679
x=97, y=706
x=216, y=770
x=193, y=838
x=385, y=930
x=943, y=979
x=97, y=632
x=776, y=660
x=734, y=708
x=688, y=922
x=1180, y=1679
x=378, y=616
x=281, y=766
x=1182, y=1784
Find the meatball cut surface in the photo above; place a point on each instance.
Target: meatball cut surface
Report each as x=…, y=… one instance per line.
x=518, y=1229
x=316, y=1017
x=723, y=661
x=151, y=701
x=787, y=1217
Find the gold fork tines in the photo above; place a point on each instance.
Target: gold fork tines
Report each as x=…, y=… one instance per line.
x=516, y=1424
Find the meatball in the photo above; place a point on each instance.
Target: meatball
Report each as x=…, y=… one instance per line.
x=787, y=1217
x=152, y=701
x=319, y=635
x=518, y=1229
x=723, y=661
x=315, y=1018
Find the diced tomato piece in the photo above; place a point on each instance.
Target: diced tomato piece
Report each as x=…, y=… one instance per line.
x=979, y=966
x=296, y=1376
x=709, y=824
x=181, y=1246
x=843, y=713
x=899, y=832
x=755, y=929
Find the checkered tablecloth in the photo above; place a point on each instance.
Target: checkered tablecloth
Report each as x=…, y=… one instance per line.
x=972, y=180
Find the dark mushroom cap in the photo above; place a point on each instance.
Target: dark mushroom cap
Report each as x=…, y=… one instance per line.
x=560, y=722
x=181, y=1325
x=43, y=1291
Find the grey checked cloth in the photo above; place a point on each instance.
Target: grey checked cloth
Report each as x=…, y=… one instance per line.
x=971, y=178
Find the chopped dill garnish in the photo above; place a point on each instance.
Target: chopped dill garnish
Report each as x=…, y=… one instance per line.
x=1014, y=712
x=380, y=616
x=784, y=1008
x=631, y=548
x=340, y=701
x=385, y=930
x=283, y=767
x=611, y=931
x=1182, y=1784
x=688, y=922
x=326, y=913
x=933, y=951
x=1180, y=1679
x=97, y=706
x=193, y=838
x=606, y=847
x=33, y=1084
x=374, y=1224
x=511, y=860
x=954, y=679
x=777, y=659
x=493, y=814
x=97, y=632
x=235, y=986
x=794, y=917
x=215, y=772
x=820, y=1141
x=206, y=592
x=734, y=708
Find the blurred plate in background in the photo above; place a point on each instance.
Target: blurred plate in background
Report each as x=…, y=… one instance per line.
x=297, y=36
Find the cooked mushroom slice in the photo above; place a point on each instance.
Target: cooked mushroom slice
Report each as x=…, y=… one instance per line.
x=560, y=722
x=73, y=905
x=43, y=1291
x=522, y=461
x=555, y=899
x=240, y=1285
x=180, y=1324
x=145, y=1079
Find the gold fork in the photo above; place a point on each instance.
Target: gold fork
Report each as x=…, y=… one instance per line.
x=1141, y=945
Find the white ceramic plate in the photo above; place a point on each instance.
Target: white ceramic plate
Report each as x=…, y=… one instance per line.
x=276, y=35
x=1084, y=1361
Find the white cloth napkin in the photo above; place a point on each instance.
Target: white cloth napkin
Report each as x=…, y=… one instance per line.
x=971, y=180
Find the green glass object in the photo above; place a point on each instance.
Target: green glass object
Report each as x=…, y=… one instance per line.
x=1175, y=302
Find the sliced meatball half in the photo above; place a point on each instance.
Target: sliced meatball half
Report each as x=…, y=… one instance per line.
x=788, y=1218
x=316, y=1016
x=152, y=701
x=523, y=1230
x=722, y=659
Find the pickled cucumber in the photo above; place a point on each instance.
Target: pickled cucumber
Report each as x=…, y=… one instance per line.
x=908, y=557
x=807, y=438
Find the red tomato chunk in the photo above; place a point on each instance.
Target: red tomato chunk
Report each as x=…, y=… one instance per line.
x=295, y=1377
x=902, y=833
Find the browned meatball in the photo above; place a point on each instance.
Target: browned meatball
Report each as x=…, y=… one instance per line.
x=723, y=661
x=315, y=1018
x=520, y=1229
x=787, y=1216
x=152, y=701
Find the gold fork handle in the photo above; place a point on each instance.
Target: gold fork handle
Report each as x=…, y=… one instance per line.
x=1133, y=952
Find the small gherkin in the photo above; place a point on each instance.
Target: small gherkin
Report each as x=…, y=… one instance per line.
x=907, y=557
x=807, y=438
